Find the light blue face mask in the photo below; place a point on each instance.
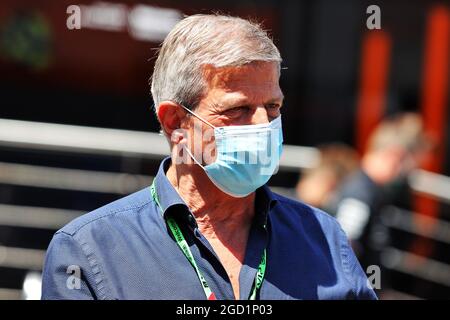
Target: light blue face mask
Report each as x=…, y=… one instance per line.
x=246, y=156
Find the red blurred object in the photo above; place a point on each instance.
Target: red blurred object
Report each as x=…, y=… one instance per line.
x=371, y=103
x=434, y=104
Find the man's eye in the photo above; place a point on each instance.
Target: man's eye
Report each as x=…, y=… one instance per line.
x=237, y=111
x=273, y=106
x=273, y=109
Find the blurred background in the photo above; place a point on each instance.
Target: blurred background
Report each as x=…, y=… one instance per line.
x=365, y=124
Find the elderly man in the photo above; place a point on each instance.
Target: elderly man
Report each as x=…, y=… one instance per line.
x=208, y=227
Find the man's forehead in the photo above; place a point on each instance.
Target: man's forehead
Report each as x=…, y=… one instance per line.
x=250, y=76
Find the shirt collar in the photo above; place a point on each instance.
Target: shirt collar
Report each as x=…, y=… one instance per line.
x=265, y=200
x=168, y=197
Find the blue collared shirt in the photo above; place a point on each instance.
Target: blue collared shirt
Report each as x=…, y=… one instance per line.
x=124, y=250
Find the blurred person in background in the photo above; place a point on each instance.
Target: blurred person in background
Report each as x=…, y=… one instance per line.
x=396, y=147
x=317, y=186
x=209, y=228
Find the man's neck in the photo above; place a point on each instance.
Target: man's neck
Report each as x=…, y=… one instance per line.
x=225, y=221
x=214, y=210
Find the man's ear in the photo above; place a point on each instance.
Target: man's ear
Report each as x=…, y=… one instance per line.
x=170, y=115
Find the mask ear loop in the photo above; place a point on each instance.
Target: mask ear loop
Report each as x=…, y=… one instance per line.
x=204, y=121
x=192, y=156
x=198, y=117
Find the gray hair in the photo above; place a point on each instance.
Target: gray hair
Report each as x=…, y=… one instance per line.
x=200, y=40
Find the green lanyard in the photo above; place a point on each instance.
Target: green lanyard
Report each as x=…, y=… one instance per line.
x=181, y=242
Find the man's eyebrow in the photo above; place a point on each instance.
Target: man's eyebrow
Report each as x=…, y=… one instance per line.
x=233, y=102
x=244, y=101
